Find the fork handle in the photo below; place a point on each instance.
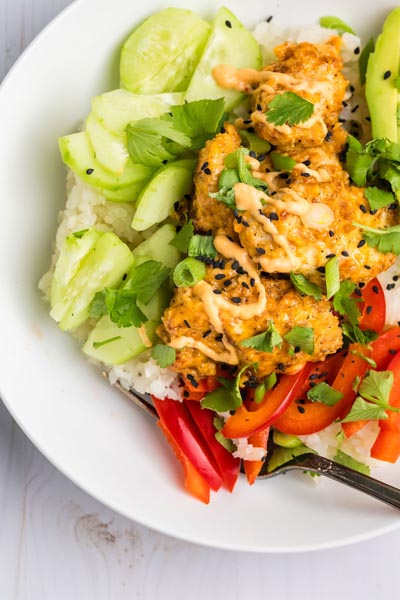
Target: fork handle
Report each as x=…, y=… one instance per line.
x=379, y=490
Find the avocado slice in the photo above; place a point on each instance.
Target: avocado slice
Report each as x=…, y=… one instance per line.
x=383, y=68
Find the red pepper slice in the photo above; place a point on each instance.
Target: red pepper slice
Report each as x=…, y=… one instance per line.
x=260, y=440
x=387, y=445
x=372, y=307
x=194, y=482
x=202, y=387
x=176, y=418
x=385, y=347
x=227, y=464
x=314, y=416
x=244, y=423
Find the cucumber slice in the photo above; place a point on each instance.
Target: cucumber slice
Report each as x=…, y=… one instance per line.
x=74, y=250
x=110, y=149
x=116, y=109
x=77, y=153
x=103, y=266
x=124, y=344
x=229, y=43
x=156, y=202
x=157, y=247
x=128, y=194
x=162, y=53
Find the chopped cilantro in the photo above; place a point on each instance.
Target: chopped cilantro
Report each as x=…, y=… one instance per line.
x=182, y=238
x=265, y=342
x=289, y=108
x=281, y=162
x=202, y=245
x=344, y=304
x=363, y=410
x=163, y=355
x=384, y=240
x=378, y=198
x=377, y=386
x=305, y=287
x=303, y=337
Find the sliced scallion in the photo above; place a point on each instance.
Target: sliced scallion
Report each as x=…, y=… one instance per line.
x=188, y=272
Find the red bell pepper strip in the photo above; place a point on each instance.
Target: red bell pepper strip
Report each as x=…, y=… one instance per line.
x=202, y=387
x=177, y=420
x=194, y=482
x=372, y=307
x=387, y=444
x=384, y=347
x=228, y=465
x=314, y=416
x=244, y=423
x=259, y=440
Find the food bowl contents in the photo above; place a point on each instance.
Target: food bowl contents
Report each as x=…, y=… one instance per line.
x=230, y=236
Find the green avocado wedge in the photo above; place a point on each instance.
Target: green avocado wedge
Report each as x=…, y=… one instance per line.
x=382, y=71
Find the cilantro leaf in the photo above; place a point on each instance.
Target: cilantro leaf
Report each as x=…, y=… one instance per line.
x=199, y=120
x=336, y=23
x=237, y=161
x=202, y=245
x=377, y=386
x=228, y=178
x=322, y=392
x=254, y=143
x=384, y=240
x=225, y=195
x=358, y=161
x=147, y=141
x=303, y=337
x=104, y=342
x=182, y=238
x=163, y=355
x=378, y=198
x=146, y=279
x=220, y=400
x=305, y=287
x=289, y=108
x=363, y=410
x=281, y=456
x=348, y=461
x=120, y=305
x=361, y=336
x=344, y=304
x=265, y=342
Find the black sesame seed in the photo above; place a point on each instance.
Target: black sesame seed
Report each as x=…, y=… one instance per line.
x=269, y=19
x=328, y=136
x=321, y=269
x=260, y=250
x=344, y=104
x=206, y=333
x=355, y=109
x=252, y=154
x=352, y=89
x=217, y=292
x=218, y=337
x=164, y=162
x=296, y=349
x=361, y=243
x=204, y=166
x=358, y=292
x=252, y=282
x=390, y=286
x=357, y=50
x=273, y=216
x=261, y=157
x=369, y=309
x=375, y=289
x=192, y=380
x=124, y=276
x=331, y=233
x=345, y=253
x=373, y=211
x=363, y=208
x=220, y=276
x=387, y=74
x=330, y=255
x=393, y=206
x=245, y=285
x=368, y=119
x=259, y=107
x=247, y=121
x=250, y=129
x=367, y=267
x=307, y=163
x=245, y=223
x=281, y=366
x=283, y=175
x=89, y=171
x=361, y=285
x=235, y=265
x=228, y=24
x=313, y=376
x=305, y=174
x=289, y=181
x=395, y=277
x=392, y=352
x=232, y=412
x=301, y=409
x=186, y=323
x=236, y=299
x=227, y=282
x=207, y=171
x=186, y=394
x=241, y=271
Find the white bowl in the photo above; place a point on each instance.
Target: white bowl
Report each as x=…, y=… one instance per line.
x=85, y=428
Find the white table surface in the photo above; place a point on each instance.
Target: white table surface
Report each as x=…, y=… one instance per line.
x=57, y=543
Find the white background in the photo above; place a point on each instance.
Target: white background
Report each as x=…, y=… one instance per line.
x=56, y=543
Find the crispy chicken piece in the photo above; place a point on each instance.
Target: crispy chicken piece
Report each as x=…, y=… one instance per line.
x=312, y=71
x=187, y=317
x=319, y=179
x=209, y=214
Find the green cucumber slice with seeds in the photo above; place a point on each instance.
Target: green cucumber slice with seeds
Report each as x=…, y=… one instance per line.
x=157, y=247
x=77, y=153
x=156, y=202
x=110, y=149
x=229, y=43
x=161, y=54
x=116, y=109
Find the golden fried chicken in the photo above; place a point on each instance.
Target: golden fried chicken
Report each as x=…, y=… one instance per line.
x=210, y=215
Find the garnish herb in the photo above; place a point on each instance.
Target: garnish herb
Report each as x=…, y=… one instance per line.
x=367, y=359
x=266, y=341
x=80, y=234
x=227, y=397
x=305, y=287
x=182, y=238
x=361, y=336
x=104, y=342
x=163, y=355
x=343, y=302
x=336, y=23
x=377, y=386
x=363, y=410
x=324, y=393
x=281, y=162
x=384, y=240
x=378, y=198
x=348, y=461
x=185, y=127
x=332, y=277
x=188, y=272
x=202, y=245
x=254, y=143
x=302, y=337
x=281, y=456
x=289, y=108
x=264, y=387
